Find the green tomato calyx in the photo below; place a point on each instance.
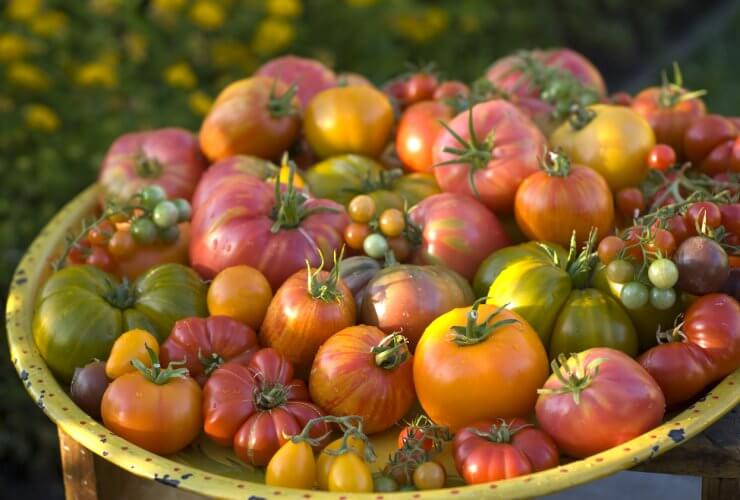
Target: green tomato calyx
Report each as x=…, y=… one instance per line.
x=673, y=93
x=500, y=432
x=326, y=289
x=121, y=295
x=573, y=376
x=391, y=352
x=270, y=396
x=211, y=362
x=675, y=334
x=579, y=265
x=556, y=164
x=475, y=332
x=155, y=373
x=282, y=106
x=147, y=167
x=350, y=426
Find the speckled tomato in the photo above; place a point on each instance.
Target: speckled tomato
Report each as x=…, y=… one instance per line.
x=456, y=231
x=168, y=157
x=507, y=146
x=309, y=75
x=417, y=131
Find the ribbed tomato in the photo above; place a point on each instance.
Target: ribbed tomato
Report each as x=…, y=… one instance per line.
x=309, y=75
x=417, y=131
x=230, y=170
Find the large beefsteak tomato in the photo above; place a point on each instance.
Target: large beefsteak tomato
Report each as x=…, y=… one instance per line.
x=309, y=75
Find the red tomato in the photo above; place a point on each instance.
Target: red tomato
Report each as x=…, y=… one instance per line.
x=360, y=371
x=204, y=344
x=661, y=157
x=420, y=87
x=508, y=147
x=456, y=231
x=411, y=432
x=599, y=409
x=679, y=228
x=100, y=258
x=451, y=89
x=731, y=217
x=620, y=99
x=257, y=406
x=168, y=157
x=663, y=242
x=417, y=130
x=310, y=75
x=703, y=210
x=710, y=144
x=79, y=252
x=100, y=235
x=231, y=170
x=713, y=323
x=609, y=248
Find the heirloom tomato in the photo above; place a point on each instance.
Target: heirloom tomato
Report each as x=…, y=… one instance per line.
x=361, y=371
x=429, y=476
x=420, y=86
x=204, y=344
x=168, y=157
x=598, y=399
x=242, y=293
x=486, y=152
x=356, y=273
x=133, y=344
x=562, y=198
x=417, y=130
x=703, y=265
x=255, y=116
x=501, y=449
x=712, y=143
x=271, y=228
x=428, y=291
x=82, y=310
x=328, y=455
x=141, y=258
x=613, y=140
x=292, y=466
x=455, y=231
x=351, y=79
x=349, y=473
x=341, y=178
x=308, y=75
x=88, y=386
x=311, y=306
x=231, y=170
x=492, y=352
x=348, y=120
x=257, y=407
x=451, y=89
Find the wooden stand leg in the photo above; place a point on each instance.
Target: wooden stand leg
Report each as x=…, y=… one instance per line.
x=78, y=469
x=720, y=488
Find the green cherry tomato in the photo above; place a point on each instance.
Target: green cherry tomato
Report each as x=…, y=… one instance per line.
x=144, y=231
x=184, y=210
x=375, y=246
x=663, y=273
x=151, y=195
x=384, y=484
x=169, y=234
x=662, y=298
x=620, y=271
x=634, y=295
x=165, y=214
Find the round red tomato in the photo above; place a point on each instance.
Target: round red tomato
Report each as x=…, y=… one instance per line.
x=309, y=75
x=713, y=323
x=230, y=170
x=420, y=87
x=417, y=131
x=703, y=211
x=257, y=407
x=503, y=147
x=456, y=231
x=361, y=371
x=711, y=143
x=451, y=89
x=204, y=344
x=600, y=398
x=731, y=217
x=168, y=157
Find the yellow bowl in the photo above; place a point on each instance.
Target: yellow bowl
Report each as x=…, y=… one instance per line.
x=211, y=470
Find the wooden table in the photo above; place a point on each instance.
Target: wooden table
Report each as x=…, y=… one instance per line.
x=714, y=455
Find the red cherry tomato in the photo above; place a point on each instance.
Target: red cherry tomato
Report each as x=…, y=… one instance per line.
x=100, y=258
x=609, y=247
x=704, y=209
x=451, y=89
x=663, y=242
x=661, y=157
x=79, y=252
x=420, y=87
x=630, y=202
x=679, y=228
x=731, y=217
x=100, y=235
x=417, y=434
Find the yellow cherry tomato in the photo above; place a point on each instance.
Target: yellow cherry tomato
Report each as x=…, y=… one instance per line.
x=293, y=466
x=325, y=460
x=615, y=143
x=242, y=293
x=131, y=345
x=361, y=208
x=392, y=222
x=429, y=476
x=350, y=474
x=348, y=120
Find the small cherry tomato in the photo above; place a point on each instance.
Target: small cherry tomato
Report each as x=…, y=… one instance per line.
x=417, y=434
x=355, y=234
x=451, y=89
x=184, y=210
x=101, y=233
x=79, y=252
x=609, y=248
x=361, y=208
x=242, y=293
x=731, y=217
x=630, y=202
x=169, y=234
x=662, y=298
x=700, y=210
x=634, y=295
x=100, y=258
x=661, y=157
x=350, y=474
x=88, y=386
x=121, y=244
x=144, y=231
x=375, y=246
x=401, y=248
x=151, y=195
x=326, y=460
x=165, y=214
x=391, y=222
x=663, y=242
x=429, y=476
x=420, y=87
x=620, y=271
x=384, y=484
x=293, y=466
x=129, y=346
x=663, y=273
x=679, y=228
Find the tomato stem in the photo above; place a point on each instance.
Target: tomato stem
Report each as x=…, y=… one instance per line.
x=282, y=106
x=580, y=116
x=391, y=352
x=501, y=432
x=147, y=167
x=673, y=93
x=573, y=376
x=267, y=397
x=156, y=374
x=210, y=363
x=326, y=289
x=121, y=295
x=556, y=164
x=580, y=265
x=474, y=332
x=350, y=426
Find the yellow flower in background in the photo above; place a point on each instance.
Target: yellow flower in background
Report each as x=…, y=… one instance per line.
x=105, y=7
x=27, y=76
x=284, y=8
x=361, y=3
x=200, y=103
x=180, y=75
x=136, y=46
x=207, y=14
x=49, y=24
x=422, y=26
x=40, y=117
x=97, y=74
x=22, y=10
x=229, y=53
x=272, y=35
x=469, y=23
x=169, y=6
x=12, y=47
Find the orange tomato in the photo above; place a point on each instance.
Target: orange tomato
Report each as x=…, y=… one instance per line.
x=131, y=345
x=145, y=257
x=242, y=293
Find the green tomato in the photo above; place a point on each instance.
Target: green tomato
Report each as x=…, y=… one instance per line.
x=151, y=195
x=144, y=231
x=620, y=271
x=184, y=210
x=375, y=246
x=165, y=214
x=384, y=484
x=169, y=234
x=634, y=295
x=662, y=298
x=663, y=273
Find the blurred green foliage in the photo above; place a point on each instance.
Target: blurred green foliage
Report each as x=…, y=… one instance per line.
x=75, y=74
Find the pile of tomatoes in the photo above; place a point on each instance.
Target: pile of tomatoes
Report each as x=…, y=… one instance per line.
x=325, y=254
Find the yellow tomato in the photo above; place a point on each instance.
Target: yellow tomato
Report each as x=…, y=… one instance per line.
x=131, y=345
x=325, y=460
x=615, y=143
x=293, y=466
x=350, y=474
x=348, y=120
x=242, y=293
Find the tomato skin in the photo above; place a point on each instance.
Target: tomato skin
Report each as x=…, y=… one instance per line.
x=292, y=466
x=296, y=323
x=429, y=291
x=731, y=217
x=326, y=460
x=355, y=235
x=457, y=231
x=121, y=245
x=429, y=476
x=701, y=210
x=621, y=402
x=88, y=386
x=129, y=346
x=420, y=87
x=100, y=258
x=345, y=379
x=409, y=432
x=145, y=257
x=630, y=202
x=615, y=143
x=512, y=360
x=681, y=369
x=194, y=339
x=309, y=75
x=100, y=234
x=549, y=208
x=713, y=323
x=517, y=144
x=349, y=473
x=417, y=130
x=345, y=120
x=710, y=144
x=663, y=242
x=661, y=157
x=231, y=170
x=679, y=228
x=609, y=248
x=242, y=293
x=451, y=89
x=234, y=417
x=492, y=462
x=162, y=418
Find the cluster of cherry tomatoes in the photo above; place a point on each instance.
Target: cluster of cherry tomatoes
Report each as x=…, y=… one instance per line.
x=376, y=233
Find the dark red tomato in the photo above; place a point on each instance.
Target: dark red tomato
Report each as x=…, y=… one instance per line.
x=257, y=407
x=508, y=145
x=703, y=266
x=704, y=210
x=100, y=258
x=662, y=242
x=168, y=157
x=630, y=202
x=679, y=228
x=309, y=75
x=79, y=252
x=396, y=90
x=713, y=323
x=731, y=217
x=420, y=87
x=451, y=89
x=417, y=130
x=101, y=233
x=710, y=144
x=456, y=231
x=661, y=157
x=620, y=99
x=204, y=344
